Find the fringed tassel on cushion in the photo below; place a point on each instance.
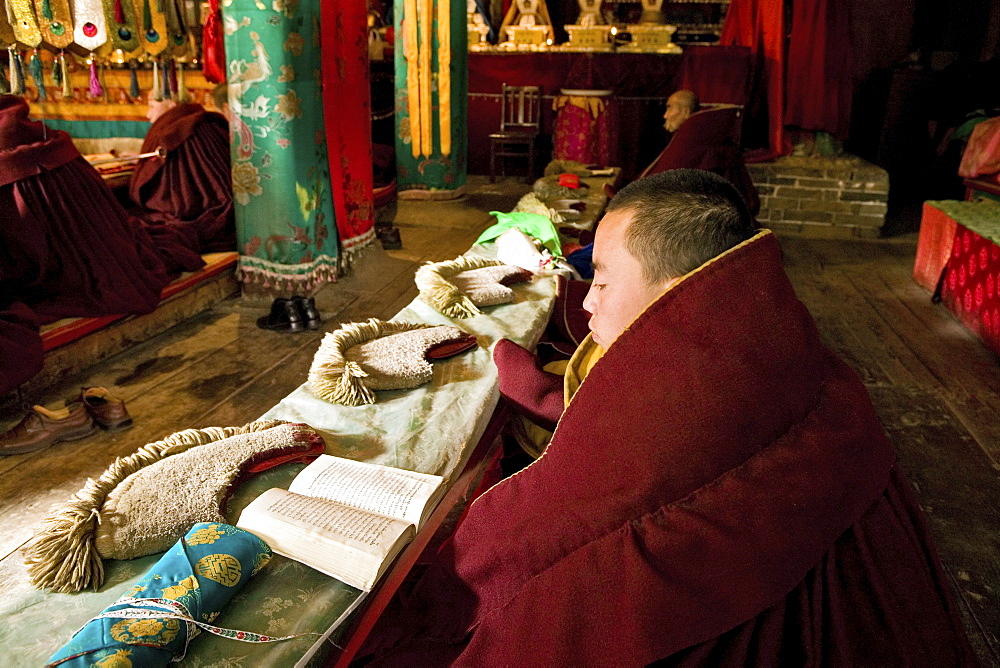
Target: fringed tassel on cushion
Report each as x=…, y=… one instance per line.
x=335, y=379
x=438, y=292
x=63, y=556
x=95, y=83
x=35, y=66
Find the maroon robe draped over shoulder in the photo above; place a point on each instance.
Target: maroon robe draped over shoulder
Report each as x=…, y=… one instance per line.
x=710, y=139
x=191, y=189
x=719, y=491
x=67, y=247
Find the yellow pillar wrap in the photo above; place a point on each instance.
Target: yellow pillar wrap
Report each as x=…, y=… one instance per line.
x=411, y=52
x=426, y=14
x=444, y=75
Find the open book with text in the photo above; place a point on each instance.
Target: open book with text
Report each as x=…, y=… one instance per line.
x=344, y=518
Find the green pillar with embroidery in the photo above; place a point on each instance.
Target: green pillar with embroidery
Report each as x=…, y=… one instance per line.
x=285, y=226
x=432, y=70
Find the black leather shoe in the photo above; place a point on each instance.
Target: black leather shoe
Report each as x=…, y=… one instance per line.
x=308, y=311
x=284, y=317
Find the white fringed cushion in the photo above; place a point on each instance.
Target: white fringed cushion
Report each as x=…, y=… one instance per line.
x=360, y=358
x=156, y=505
x=439, y=289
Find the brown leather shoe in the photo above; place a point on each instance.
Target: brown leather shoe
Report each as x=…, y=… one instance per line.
x=43, y=427
x=108, y=411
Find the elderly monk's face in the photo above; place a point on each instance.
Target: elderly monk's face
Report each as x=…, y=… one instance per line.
x=619, y=292
x=678, y=111
x=158, y=107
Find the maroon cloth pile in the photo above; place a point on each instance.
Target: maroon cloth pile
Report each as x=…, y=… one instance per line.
x=709, y=140
x=67, y=247
x=719, y=491
x=188, y=194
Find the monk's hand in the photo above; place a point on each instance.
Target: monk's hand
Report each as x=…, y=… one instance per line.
x=532, y=391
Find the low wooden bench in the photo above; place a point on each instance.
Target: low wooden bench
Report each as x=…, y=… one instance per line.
x=73, y=344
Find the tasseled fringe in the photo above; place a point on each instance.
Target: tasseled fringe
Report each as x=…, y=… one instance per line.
x=182, y=93
x=165, y=77
x=157, y=93
x=57, y=77
x=133, y=82
x=4, y=83
x=35, y=66
x=63, y=556
x=102, y=73
x=16, y=72
x=436, y=291
x=280, y=284
x=172, y=79
x=67, y=85
x=95, y=83
x=335, y=379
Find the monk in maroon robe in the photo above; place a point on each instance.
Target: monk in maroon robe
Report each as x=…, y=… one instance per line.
x=718, y=490
x=705, y=139
x=190, y=189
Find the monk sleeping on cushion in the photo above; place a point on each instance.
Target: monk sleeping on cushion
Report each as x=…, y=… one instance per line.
x=718, y=490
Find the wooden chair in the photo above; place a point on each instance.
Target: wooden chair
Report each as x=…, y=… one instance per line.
x=520, y=125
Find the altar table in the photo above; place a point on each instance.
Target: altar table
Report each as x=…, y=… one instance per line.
x=970, y=283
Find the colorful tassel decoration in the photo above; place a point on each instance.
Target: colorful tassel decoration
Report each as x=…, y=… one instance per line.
x=57, y=72
x=16, y=74
x=4, y=83
x=133, y=82
x=35, y=67
x=165, y=76
x=157, y=93
x=172, y=79
x=182, y=94
x=67, y=86
x=95, y=83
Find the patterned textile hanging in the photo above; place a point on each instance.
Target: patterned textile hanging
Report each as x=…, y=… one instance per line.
x=285, y=224
x=177, y=31
x=153, y=26
x=21, y=14
x=431, y=104
x=55, y=20
x=121, y=24
x=347, y=108
x=6, y=31
x=90, y=29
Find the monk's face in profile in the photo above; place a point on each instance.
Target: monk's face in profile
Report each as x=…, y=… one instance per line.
x=678, y=111
x=620, y=291
x=158, y=107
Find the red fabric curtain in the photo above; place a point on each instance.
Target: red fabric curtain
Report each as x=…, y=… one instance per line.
x=760, y=25
x=819, y=68
x=347, y=117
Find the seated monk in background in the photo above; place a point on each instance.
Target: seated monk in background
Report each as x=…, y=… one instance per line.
x=704, y=139
x=67, y=247
x=191, y=189
x=718, y=491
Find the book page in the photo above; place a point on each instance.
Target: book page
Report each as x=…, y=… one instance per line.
x=377, y=489
x=335, y=519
